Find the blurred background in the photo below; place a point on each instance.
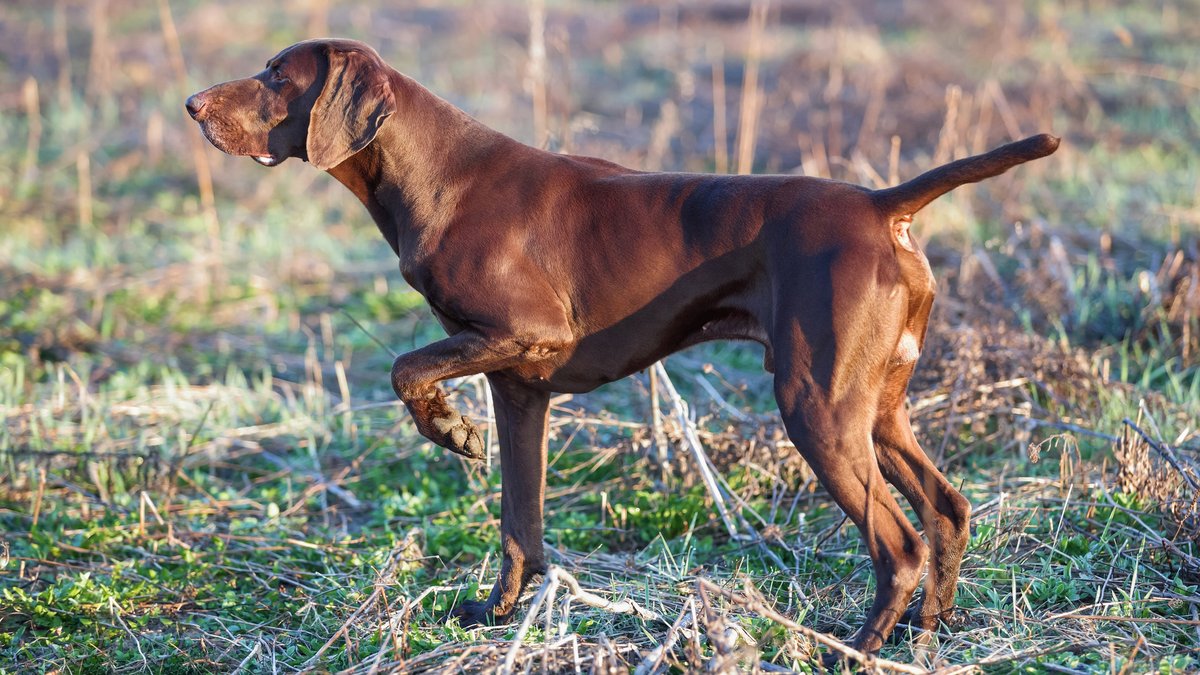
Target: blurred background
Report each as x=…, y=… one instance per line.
x=193, y=348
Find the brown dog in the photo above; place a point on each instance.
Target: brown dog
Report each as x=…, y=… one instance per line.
x=555, y=273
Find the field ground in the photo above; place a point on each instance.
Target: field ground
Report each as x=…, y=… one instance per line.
x=202, y=468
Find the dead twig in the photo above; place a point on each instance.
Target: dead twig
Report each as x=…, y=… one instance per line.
x=554, y=577
x=655, y=658
x=597, y=602
x=548, y=589
x=693, y=443
x=840, y=647
x=720, y=400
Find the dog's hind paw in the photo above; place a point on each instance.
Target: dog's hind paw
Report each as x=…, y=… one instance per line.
x=948, y=621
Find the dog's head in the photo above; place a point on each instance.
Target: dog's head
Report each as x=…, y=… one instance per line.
x=319, y=100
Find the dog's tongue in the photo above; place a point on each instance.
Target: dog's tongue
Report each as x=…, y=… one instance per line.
x=266, y=160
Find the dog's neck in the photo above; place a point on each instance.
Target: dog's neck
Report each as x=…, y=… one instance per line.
x=420, y=165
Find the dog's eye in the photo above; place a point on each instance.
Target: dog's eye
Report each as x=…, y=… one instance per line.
x=277, y=75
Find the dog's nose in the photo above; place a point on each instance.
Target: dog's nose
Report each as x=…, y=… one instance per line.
x=194, y=105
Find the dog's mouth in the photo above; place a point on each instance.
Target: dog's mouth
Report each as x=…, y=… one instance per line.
x=234, y=144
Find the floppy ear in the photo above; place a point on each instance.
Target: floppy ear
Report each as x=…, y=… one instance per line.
x=356, y=99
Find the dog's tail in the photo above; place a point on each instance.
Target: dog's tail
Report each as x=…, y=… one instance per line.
x=908, y=198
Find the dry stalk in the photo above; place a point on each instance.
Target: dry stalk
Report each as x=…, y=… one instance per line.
x=83, y=172
x=249, y=657
x=545, y=595
x=661, y=452
x=30, y=101
x=154, y=137
x=721, y=635
x=948, y=137
x=867, y=173
x=548, y=589
x=339, y=369
x=100, y=62
x=204, y=179
x=748, y=117
x=705, y=466
x=489, y=439
x=592, y=600
x=655, y=658
x=1011, y=126
x=831, y=95
x=37, y=499
x=561, y=41
x=983, y=123
x=816, y=160
x=874, y=108
x=62, y=53
x=893, y=177
x=536, y=78
x=689, y=433
x=720, y=400
x=176, y=468
x=397, y=635
x=720, y=131
x=115, y=611
x=1126, y=619
x=369, y=334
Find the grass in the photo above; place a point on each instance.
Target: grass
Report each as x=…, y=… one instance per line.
x=202, y=467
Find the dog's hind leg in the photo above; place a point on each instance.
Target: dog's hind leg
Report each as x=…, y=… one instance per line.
x=944, y=513
x=828, y=377
x=844, y=461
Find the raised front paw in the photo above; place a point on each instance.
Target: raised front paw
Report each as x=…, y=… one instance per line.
x=441, y=423
x=459, y=435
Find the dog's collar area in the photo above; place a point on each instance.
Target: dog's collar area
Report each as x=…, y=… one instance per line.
x=266, y=160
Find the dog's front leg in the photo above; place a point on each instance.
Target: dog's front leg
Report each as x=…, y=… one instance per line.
x=521, y=417
x=415, y=376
